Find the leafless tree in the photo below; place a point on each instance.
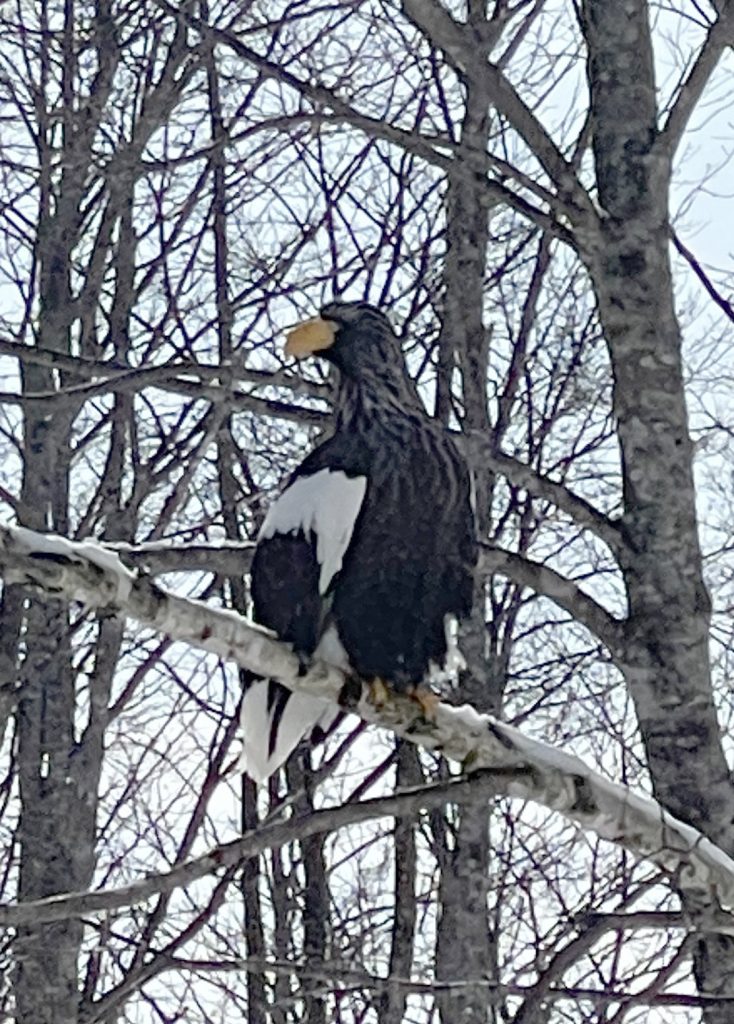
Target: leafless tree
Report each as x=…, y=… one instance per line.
x=518, y=184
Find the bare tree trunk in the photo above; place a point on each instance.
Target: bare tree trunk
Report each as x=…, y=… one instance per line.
x=230, y=492
x=315, y=898
x=250, y=889
x=669, y=607
x=466, y=949
x=391, y=1006
x=58, y=772
x=56, y=842
x=282, y=906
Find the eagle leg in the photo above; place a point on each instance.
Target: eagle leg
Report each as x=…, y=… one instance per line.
x=379, y=692
x=351, y=693
x=304, y=663
x=426, y=699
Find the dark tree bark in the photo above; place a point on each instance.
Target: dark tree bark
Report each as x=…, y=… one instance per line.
x=315, y=896
x=465, y=946
x=60, y=742
x=56, y=823
x=391, y=1006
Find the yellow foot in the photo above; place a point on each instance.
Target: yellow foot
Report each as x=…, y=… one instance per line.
x=379, y=693
x=426, y=699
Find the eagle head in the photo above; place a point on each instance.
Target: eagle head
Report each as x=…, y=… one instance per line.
x=354, y=336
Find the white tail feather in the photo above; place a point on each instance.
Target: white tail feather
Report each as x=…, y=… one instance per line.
x=300, y=715
x=288, y=723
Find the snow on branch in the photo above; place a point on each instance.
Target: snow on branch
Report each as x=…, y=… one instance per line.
x=518, y=766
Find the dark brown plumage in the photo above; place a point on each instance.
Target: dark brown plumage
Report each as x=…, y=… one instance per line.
x=371, y=543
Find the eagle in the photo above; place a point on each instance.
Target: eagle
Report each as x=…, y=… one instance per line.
x=367, y=556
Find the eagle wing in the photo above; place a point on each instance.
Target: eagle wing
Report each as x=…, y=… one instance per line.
x=375, y=539
x=299, y=554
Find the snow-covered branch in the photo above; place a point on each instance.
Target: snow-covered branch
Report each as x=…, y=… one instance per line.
x=519, y=766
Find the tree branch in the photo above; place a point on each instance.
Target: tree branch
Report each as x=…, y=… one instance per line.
x=721, y=35
x=234, y=559
x=521, y=475
x=515, y=764
x=702, y=276
x=227, y=855
x=183, y=377
x=226, y=558
x=563, y=592
x=333, y=975
x=438, y=151
x=454, y=39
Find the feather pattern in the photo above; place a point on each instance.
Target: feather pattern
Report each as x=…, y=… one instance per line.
x=274, y=719
x=370, y=546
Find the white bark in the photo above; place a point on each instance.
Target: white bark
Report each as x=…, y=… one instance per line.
x=520, y=767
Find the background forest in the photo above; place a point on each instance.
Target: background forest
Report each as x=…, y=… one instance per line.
x=539, y=193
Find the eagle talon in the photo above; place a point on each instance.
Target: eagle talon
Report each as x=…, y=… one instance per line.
x=426, y=699
x=305, y=661
x=379, y=694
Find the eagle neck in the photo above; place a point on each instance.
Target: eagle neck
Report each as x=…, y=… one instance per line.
x=364, y=403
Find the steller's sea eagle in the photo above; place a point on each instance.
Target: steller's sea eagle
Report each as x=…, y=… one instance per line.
x=370, y=547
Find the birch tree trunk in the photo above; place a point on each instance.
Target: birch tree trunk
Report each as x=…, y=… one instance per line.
x=667, y=635
x=443, y=162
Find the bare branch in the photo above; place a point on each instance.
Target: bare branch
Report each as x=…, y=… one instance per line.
x=721, y=35
x=331, y=976
x=517, y=765
x=439, y=151
x=702, y=276
x=227, y=558
x=521, y=475
x=546, y=581
x=110, y=376
x=234, y=558
x=445, y=33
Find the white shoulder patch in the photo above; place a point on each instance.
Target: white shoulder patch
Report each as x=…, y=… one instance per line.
x=326, y=505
